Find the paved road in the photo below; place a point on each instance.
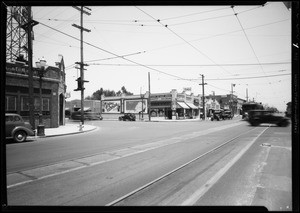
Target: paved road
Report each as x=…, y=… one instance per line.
x=99, y=167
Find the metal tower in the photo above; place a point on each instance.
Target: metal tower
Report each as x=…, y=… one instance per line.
x=16, y=36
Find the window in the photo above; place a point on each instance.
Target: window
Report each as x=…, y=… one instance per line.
x=17, y=118
x=46, y=105
x=36, y=104
x=8, y=118
x=45, y=102
x=25, y=104
x=11, y=104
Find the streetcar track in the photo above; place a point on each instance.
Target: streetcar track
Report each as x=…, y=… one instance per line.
x=51, y=170
x=179, y=168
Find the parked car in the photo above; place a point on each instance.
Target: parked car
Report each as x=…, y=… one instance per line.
x=16, y=128
x=257, y=117
x=87, y=115
x=127, y=117
x=227, y=114
x=216, y=114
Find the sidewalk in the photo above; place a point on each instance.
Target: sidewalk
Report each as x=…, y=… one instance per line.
x=67, y=129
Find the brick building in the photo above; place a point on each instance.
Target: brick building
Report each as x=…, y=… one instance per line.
x=53, y=92
x=231, y=102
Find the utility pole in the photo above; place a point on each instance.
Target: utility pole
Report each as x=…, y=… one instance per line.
x=231, y=98
x=81, y=80
x=28, y=27
x=149, y=98
x=247, y=94
x=203, y=98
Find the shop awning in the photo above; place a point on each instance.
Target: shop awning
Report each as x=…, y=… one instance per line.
x=182, y=105
x=192, y=105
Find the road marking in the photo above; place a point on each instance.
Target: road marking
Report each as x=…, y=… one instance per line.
x=75, y=164
x=171, y=172
x=202, y=190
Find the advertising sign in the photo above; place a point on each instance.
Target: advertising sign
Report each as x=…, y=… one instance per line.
x=111, y=106
x=135, y=106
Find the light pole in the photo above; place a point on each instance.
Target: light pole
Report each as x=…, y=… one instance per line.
x=41, y=65
x=231, y=98
x=142, y=106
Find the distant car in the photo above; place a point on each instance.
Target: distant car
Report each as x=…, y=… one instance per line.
x=127, y=117
x=216, y=115
x=88, y=115
x=257, y=117
x=16, y=128
x=227, y=114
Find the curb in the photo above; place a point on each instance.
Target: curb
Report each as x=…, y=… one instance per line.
x=69, y=133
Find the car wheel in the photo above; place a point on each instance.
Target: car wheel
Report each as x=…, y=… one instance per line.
x=254, y=123
x=283, y=124
x=20, y=136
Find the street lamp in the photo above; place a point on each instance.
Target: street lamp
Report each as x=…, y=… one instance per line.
x=41, y=65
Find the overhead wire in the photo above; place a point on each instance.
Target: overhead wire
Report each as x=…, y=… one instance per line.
x=185, y=65
x=251, y=46
x=122, y=57
x=192, y=14
x=117, y=56
x=166, y=26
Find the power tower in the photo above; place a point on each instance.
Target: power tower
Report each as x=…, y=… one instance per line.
x=16, y=36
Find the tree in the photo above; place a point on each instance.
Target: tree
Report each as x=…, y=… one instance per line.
x=108, y=93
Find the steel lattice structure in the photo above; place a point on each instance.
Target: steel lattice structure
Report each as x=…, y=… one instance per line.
x=16, y=36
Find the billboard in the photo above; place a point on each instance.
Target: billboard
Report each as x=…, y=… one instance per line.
x=111, y=106
x=135, y=106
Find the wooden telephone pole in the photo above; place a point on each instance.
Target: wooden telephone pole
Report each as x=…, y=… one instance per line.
x=203, y=98
x=81, y=80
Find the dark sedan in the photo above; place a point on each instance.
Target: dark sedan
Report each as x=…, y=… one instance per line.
x=16, y=128
x=127, y=117
x=227, y=114
x=86, y=116
x=257, y=117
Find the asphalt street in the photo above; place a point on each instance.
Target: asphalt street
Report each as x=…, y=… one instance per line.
x=198, y=163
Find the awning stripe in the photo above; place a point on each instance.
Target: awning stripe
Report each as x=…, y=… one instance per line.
x=183, y=105
x=192, y=105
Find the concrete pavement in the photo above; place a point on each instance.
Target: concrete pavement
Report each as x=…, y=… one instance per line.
x=68, y=129
x=75, y=128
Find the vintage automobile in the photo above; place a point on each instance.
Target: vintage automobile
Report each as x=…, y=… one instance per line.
x=257, y=117
x=127, y=117
x=16, y=128
x=87, y=115
x=227, y=114
x=216, y=115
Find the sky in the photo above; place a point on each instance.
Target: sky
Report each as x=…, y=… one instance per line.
x=246, y=46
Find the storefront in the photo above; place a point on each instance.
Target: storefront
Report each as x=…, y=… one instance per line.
x=53, y=92
x=161, y=105
x=171, y=105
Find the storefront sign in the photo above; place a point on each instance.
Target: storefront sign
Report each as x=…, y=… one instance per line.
x=161, y=97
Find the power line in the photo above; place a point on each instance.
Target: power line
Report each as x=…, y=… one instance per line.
x=166, y=26
x=111, y=52
x=186, y=65
x=188, y=22
x=236, y=15
x=102, y=59
x=225, y=79
x=263, y=76
x=221, y=34
x=217, y=17
x=192, y=14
